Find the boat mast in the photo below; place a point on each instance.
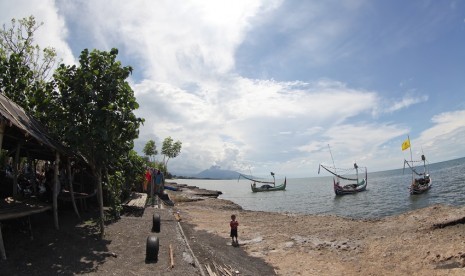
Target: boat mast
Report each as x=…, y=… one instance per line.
x=411, y=158
x=424, y=161
x=334, y=165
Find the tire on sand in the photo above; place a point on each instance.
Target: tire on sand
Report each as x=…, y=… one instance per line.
x=156, y=223
x=153, y=245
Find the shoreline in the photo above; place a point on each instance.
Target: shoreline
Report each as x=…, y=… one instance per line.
x=420, y=242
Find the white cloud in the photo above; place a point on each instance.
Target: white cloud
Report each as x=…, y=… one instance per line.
x=405, y=102
x=188, y=88
x=444, y=140
x=179, y=44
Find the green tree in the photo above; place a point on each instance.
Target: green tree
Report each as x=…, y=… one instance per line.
x=25, y=68
x=170, y=149
x=19, y=39
x=96, y=110
x=150, y=150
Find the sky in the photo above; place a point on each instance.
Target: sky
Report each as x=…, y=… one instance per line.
x=258, y=86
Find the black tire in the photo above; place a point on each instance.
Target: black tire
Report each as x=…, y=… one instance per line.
x=156, y=223
x=153, y=246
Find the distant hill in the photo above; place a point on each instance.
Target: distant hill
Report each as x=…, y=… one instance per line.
x=215, y=172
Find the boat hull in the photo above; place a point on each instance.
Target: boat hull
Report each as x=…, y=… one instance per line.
x=420, y=185
x=350, y=188
x=268, y=188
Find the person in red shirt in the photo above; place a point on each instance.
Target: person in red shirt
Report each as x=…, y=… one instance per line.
x=148, y=178
x=234, y=224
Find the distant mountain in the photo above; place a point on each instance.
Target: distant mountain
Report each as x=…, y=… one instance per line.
x=215, y=172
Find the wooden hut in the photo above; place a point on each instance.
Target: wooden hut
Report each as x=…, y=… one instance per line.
x=23, y=136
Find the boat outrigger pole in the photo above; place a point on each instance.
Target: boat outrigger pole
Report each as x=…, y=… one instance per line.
x=411, y=157
x=356, y=170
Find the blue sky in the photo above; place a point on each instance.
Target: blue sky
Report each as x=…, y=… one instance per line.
x=260, y=86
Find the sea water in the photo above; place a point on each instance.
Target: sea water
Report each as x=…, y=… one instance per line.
x=387, y=193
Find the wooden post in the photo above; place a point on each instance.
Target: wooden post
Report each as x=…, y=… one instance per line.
x=15, y=170
x=2, y=247
x=55, y=189
x=34, y=176
x=2, y=132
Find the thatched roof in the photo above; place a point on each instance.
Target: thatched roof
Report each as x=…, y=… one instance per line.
x=22, y=128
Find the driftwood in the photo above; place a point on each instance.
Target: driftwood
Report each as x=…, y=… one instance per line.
x=220, y=269
x=209, y=270
x=171, y=257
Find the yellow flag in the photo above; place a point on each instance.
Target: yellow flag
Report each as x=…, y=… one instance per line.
x=406, y=144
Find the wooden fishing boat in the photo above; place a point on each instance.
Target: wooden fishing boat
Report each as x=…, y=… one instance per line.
x=421, y=181
x=421, y=185
x=265, y=186
x=346, y=181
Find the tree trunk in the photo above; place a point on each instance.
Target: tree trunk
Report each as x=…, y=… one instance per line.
x=98, y=174
x=71, y=189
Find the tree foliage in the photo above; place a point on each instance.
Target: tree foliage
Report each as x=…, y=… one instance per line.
x=150, y=149
x=97, y=103
x=96, y=107
x=25, y=68
x=19, y=39
x=170, y=149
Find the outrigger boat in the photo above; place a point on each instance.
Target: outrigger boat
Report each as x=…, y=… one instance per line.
x=265, y=186
x=352, y=185
x=352, y=182
x=422, y=182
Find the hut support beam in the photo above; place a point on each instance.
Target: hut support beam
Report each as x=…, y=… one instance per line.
x=55, y=189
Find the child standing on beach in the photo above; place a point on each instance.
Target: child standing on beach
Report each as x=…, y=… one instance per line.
x=234, y=224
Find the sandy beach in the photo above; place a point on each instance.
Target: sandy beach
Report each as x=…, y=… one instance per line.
x=428, y=241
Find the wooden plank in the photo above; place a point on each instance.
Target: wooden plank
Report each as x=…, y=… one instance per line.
x=66, y=195
x=136, y=200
